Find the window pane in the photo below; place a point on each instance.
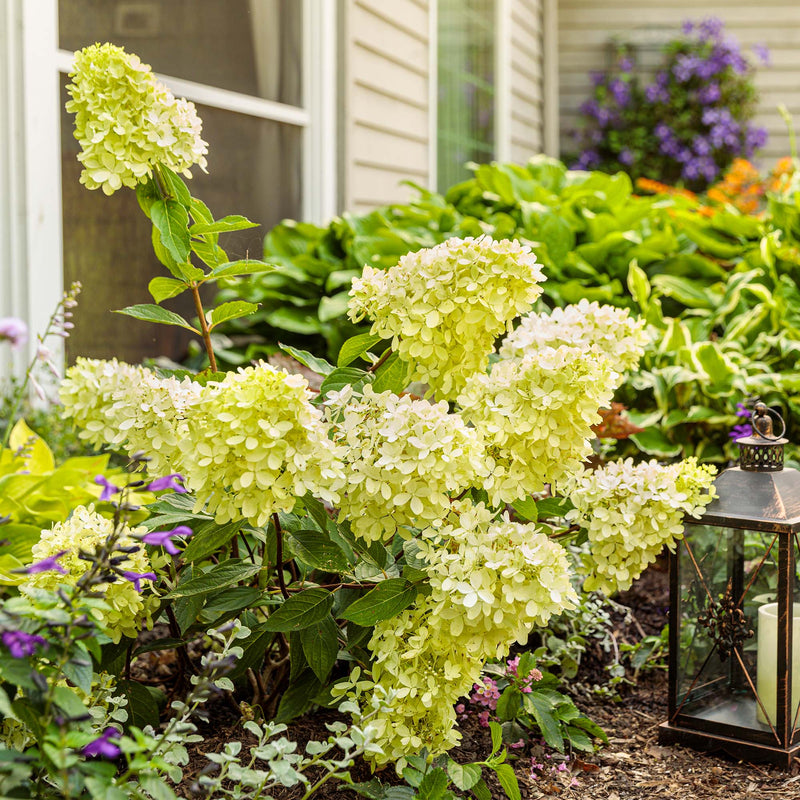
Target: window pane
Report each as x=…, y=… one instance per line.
x=248, y=46
x=254, y=169
x=466, y=87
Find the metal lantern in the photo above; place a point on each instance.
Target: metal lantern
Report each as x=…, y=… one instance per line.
x=734, y=638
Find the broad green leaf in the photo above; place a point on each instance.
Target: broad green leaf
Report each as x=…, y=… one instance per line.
x=579, y=739
x=158, y=644
x=175, y=185
x=220, y=576
x=638, y=285
x=301, y=610
x=200, y=211
x=655, y=443
x=142, y=704
x=508, y=780
x=164, y=288
x=319, y=365
x=229, y=602
x=691, y=293
x=233, y=222
x=146, y=195
x=152, y=313
x=716, y=365
x=8, y=566
x=333, y=307
x=497, y=736
x=78, y=670
x=208, y=538
x=392, y=375
x=464, y=776
x=232, y=310
x=481, y=790
x=317, y=550
x=339, y=378
x=542, y=711
x=298, y=697
x=21, y=538
x=295, y=320
x=244, y=267
x=320, y=646
x=433, y=785
x=508, y=704
x=386, y=600
x=355, y=347
x=210, y=253
x=172, y=219
x=526, y=508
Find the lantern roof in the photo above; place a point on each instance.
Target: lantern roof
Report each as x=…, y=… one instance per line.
x=763, y=501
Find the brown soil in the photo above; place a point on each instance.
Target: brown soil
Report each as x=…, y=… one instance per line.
x=633, y=766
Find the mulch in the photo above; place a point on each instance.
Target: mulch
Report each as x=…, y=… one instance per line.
x=632, y=766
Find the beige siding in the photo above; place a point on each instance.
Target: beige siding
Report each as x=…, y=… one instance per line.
x=385, y=125
x=584, y=29
x=527, y=79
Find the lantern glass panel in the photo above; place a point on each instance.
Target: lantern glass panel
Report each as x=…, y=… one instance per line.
x=725, y=575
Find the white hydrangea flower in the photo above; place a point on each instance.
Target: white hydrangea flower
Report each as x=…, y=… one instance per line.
x=631, y=511
x=129, y=408
x=253, y=444
x=444, y=306
x=606, y=331
x=535, y=415
x=86, y=529
x=127, y=122
x=403, y=459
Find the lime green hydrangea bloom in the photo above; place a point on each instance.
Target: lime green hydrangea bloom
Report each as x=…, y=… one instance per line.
x=127, y=610
x=403, y=459
x=535, y=415
x=426, y=673
x=254, y=443
x=127, y=122
x=493, y=581
x=607, y=331
x=631, y=511
x=444, y=306
x=129, y=408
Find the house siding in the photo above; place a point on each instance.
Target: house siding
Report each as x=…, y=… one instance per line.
x=527, y=79
x=385, y=93
x=585, y=28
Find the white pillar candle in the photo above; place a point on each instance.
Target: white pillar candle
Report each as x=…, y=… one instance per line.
x=767, y=663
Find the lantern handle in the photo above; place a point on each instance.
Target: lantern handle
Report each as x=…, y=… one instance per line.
x=760, y=411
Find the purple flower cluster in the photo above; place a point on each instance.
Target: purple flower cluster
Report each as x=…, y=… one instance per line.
x=21, y=644
x=688, y=124
x=743, y=428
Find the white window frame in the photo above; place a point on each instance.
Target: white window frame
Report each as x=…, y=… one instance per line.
x=30, y=169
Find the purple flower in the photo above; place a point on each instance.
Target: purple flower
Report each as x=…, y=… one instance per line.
x=21, y=644
x=711, y=28
x=702, y=146
x=687, y=27
x=109, y=490
x=620, y=91
x=597, y=78
x=164, y=538
x=754, y=139
x=587, y=160
x=625, y=64
x=762, y=52
x=656, y=94
x=740, y=431
x=685, y=67
x=625, y=157
x=136, y=578
x=103, y=746
x=174, y=482
x=49, y=564
x=13, y=330
x=743, y=411
x=709, y=93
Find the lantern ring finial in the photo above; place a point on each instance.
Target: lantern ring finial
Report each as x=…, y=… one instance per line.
x=762, y=424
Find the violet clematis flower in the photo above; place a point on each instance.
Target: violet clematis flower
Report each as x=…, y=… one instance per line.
x=13, y=330
x=136, y=578
x=21, y=644
x=164, y=538
x=49, y=564
x=174, y=482
x=109, y=490
x=103, y=746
